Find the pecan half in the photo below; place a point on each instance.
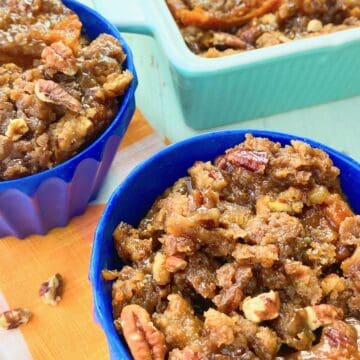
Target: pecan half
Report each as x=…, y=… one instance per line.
x=12, y=319
x=252, y=160
x=51, y=290
x=60, y=57
x=50, y=92
x=144, y=340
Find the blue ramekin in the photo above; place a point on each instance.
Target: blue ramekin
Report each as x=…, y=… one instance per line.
x=37, y=203
x=133, y=198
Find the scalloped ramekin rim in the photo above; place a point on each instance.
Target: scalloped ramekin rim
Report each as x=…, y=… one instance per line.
x=116, y=345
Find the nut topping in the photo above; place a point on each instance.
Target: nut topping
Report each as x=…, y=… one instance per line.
x=16, y=129
x=263, y=307
x=109, y=275
x=60, y=57
x=51, y=290
x=160, y=272
x=50, y=92
x=174, y=264
x=144, y=340
x=323, y=314
x=12, y=319
x=116, y=84
x=251, y=160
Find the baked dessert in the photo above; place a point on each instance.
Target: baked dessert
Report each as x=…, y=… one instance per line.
x=58, y=89
x=255, y=255
x=217, y=27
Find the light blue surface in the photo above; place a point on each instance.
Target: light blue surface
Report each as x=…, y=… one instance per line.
x=134, y=197
x=178, y=89
x=37, y=203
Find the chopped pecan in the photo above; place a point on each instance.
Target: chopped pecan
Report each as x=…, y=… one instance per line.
x=61, y=58
x=50, y=92
x=252, y=160
x=231, y=273
x=144, y=340
x=51, y=290
x=229, y=40
x=351, y=267
x=206, y=176
x=332, y=283
x=343, y=252
x=323, y=314
x=318, y=195
x=174, y=245
x=116, y=84
x=263, y=307
x=16, y=129
x=349, y=231
x=338, y=342
x=12, y=319
x=228, y=299
x=337, y=210
x=109, y=275
x=174, y=264
x=249, y=35
x=160, y=273
x=265, y=255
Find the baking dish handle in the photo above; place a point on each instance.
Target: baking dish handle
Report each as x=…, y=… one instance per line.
x=127, y=15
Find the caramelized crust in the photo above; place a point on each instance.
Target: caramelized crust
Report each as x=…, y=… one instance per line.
x=240, y=260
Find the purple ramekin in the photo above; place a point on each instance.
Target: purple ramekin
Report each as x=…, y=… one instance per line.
x=37, y=203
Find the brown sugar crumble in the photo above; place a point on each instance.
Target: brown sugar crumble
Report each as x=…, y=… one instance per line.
x=213, y=28
x=255, y=255
x=58, y=90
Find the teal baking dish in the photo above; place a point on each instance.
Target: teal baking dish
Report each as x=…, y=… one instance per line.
x=258, y=83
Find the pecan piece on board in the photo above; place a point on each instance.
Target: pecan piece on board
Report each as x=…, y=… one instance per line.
x=144, y=340
x=51, y=290
x=50, y=92
x=12, y=319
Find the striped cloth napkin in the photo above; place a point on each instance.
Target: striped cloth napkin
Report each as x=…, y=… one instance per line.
x=66, y=331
